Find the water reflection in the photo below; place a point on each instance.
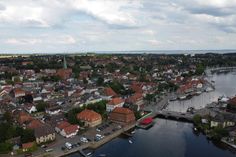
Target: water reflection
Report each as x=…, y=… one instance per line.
x=224, y=84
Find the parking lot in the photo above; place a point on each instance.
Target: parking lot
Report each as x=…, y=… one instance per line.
x=58, y=147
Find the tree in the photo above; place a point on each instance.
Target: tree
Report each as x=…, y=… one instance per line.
x=100, y=81
x=5, y=148
x=99, y=107
x=28, y=98
x=149, y=97
x=41, y=106
x=197, y=119
x=218, y=132
x=117, y=87
x=71, y=115
x=85, y=81
x=200, y=69
x=7, y=116
x=27, y=135
x=137, y=115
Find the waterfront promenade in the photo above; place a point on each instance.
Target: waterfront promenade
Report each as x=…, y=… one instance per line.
x=92, y=144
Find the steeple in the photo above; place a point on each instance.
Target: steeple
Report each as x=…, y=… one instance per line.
x=65, y=65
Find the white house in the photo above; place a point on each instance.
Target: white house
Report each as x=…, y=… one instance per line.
x=30, y=108
x=70, y=131
x=53, y=110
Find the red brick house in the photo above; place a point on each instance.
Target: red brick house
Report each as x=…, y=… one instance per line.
x=122, y=115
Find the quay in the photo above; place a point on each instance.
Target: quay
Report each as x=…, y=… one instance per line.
x=91, y=145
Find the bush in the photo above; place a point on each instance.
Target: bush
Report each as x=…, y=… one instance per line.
x=41, y=106
x=197, y=120
x=5, y=148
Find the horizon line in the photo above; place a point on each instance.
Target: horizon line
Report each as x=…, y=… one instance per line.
x=123, y=52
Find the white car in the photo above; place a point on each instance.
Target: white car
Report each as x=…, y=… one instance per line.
x=68, y=145
x=83, y=139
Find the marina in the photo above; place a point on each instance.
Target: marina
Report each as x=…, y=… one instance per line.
x=167, y=130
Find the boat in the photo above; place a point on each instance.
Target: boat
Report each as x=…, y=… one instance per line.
x=173, y=98
x=146, y=121
x=130, y=142
x=209, y=89
x=89, y=153
x=182, y=97
x=133, y=132
x=198, y=92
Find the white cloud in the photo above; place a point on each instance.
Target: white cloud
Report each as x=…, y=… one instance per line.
x=23, y=41
x=116, y=25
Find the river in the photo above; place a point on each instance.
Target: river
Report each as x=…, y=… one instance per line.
x=174, y=139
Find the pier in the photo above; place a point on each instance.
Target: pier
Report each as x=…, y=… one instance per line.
x=219, y=69
x=82, y=153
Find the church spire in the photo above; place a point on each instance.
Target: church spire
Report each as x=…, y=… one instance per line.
x=65, y=64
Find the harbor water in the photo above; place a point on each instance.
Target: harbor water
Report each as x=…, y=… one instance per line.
x=169, y=138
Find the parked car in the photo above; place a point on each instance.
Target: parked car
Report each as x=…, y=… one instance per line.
x=84, y=139
x=68, y=145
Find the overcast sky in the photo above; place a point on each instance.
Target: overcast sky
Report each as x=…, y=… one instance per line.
x=116, y=25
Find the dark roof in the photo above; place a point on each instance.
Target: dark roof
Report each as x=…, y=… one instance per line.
x=43, y=131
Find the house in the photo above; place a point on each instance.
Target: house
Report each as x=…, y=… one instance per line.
x=59, y=127
x=110, y=92
x=27, y=146
x=64, y=73
x=44, y=134
x=30, y=108
x=90, y=118
x=113, y=103
x=33, y=124
x=53, y=110
x=23, y=117
x=136, y=100
x=54, y=120
x=122, y=115
x=18, y=92
x=223, y=120
x=232, y=104
x=66, y=129
x=70, y=131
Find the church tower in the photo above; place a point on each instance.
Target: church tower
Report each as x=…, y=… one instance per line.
x=64, y=63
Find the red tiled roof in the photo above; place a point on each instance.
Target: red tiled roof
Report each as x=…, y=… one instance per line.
x=63, y=125
x=18, y=91
x=24, y=117
x=122, y=110
x=137, y=87
x=70, y=129
x=115, y=101
x=109, y=92
x=134, y=98
x=232, y=101
x=89, y=115
x=27, y=145
x=34, y=124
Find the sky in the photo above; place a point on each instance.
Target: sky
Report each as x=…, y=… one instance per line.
x=55, y=26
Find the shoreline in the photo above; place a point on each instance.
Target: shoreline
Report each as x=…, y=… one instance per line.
x=92, y=145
